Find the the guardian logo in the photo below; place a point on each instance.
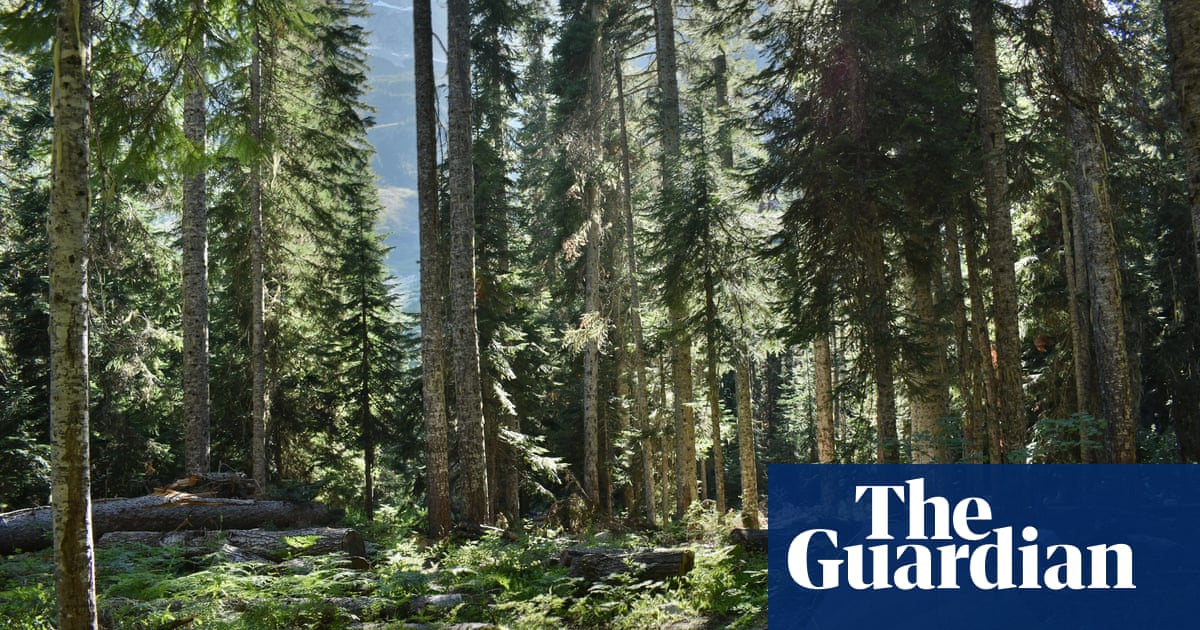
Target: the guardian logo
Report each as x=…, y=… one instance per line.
x=949, y=546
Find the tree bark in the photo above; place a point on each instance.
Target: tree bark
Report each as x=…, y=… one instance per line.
x=591, y=357
x=468, y=398
x=591, y=300
x=665, y=463
x=1075, y=24
x=1009, y=396
x=746, y=449
x=823, y=383
x=985, y=374
x=624, y=377
x=684, y=413
x=1086, y=397
x=974, y=426
x=28, y=530
x=714, y=388
x=194, y=225
x=260, y=406
x=725, y=153
x=70, y=205
x=1182, y=19
x=433, y=280
x=681, y=364
x=641, y=388
x=928, y=398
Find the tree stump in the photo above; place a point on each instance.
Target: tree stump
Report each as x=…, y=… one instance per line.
x=750, y=539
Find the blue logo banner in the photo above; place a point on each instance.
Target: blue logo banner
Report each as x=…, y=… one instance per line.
x=981, y=547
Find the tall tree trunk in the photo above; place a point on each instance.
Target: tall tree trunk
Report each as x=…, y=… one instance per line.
x=685, y=417
x=725, y=152
x=260, y=406
x=70, y=204
x=974, y=427
x=194, y=225
x=369, y=477
x=746, y=450
x=665, y=459
x=878, y=319
x=984, y=369
x=1076, y=25
x=684, y=413
x=1009, y=395
x=927, y=398
x=591, y=299
x=1182, y=18
x=433, y=280
x=724, y=133
x=714, y=388
x=1086, y=396
x=366, y=422
x=641, y=388
x=823, y=382
x=468, y=398
x=624, y=386
x=591, y=353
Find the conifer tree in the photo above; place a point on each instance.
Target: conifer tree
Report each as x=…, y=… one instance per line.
x=676, y=296
x=260, y=403
x=433, y=279
x=822, y=144
x=369, y=336
x=195, y=250
x=1077, y=35
x=1182, y=23
x=70, y=201
x=1010, y=397
x=464, y=329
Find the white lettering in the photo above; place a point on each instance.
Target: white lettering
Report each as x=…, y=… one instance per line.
x=797, y=559
x=1124, y=557
x=879, y=508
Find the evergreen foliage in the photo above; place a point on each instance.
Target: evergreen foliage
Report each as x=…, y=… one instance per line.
x=833, y=180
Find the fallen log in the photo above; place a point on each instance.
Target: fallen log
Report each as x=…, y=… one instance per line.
x=272, y=546
x=595, y=565
x=750, y=539
x=232, y=485
x=30, y=529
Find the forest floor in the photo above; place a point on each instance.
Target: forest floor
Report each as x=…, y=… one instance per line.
x=463, y=584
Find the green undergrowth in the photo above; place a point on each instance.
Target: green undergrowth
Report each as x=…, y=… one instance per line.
x=507, y=583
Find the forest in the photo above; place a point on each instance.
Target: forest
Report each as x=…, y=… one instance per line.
x=662, y=246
